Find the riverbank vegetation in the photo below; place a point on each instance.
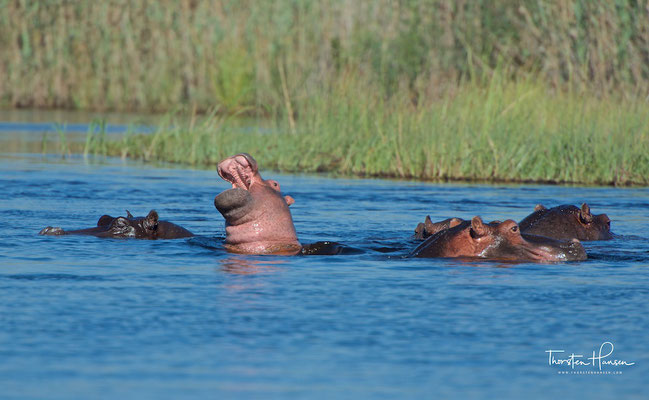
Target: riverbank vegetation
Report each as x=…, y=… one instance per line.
x=501, y=131
x=551, y=91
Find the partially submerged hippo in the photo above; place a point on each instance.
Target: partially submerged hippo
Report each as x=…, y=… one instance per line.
x=499, y=241
x=567, y=222
x=149, y=227
x=257, y=217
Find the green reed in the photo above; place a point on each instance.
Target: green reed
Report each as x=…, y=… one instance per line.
x=536, y=90
x=501, y=130
x=263, y=57
x=96, y=138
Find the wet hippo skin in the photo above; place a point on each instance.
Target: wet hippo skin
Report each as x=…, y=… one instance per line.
x=567, y=222
x=257, y=216
x=497, y=241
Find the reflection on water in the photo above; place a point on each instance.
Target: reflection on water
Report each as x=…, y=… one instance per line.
x=65, y=132
x=88, y=317
x=70, y=117
x=248, y=266
x=472, y=262
x=62, y=131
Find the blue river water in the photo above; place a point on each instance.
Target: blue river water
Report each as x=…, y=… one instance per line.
x=83, y=317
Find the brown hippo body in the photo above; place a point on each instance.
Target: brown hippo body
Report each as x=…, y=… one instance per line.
x=149, y=227
x=497, y=241
x=567, y=222
x=257, y=217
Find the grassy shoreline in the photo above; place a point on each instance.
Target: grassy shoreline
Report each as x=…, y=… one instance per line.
x=496, y=131
x=525, y=91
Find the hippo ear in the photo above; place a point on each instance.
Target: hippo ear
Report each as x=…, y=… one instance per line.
x=428, y=224
x=539, y=207
x=105, y=220
x=478, y=229
x=419, y=230
x=151, y=220
x=584, y=214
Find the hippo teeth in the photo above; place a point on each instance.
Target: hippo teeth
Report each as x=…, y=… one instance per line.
x=236, y=177
x=239, y=170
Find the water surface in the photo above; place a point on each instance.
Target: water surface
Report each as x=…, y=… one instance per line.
x=83, y=317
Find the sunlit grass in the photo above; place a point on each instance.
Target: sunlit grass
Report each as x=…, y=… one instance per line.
x=500, y=130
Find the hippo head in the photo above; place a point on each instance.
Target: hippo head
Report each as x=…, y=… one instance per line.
x=257, y=217
x=149, y=227
x=567, y=222
x=131, y=227
x=499, y=241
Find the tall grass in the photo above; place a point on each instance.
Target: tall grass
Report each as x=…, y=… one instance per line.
x=538, y=90
x=503, y=130
x=266, y=56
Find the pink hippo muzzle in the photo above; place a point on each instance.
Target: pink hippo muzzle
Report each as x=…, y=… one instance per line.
x=257, y=217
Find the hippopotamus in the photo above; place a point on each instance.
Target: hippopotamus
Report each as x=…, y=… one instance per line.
x=149, y=227
x=567, y=222
x=498, y=241
x=429, y=228
x=257, y=216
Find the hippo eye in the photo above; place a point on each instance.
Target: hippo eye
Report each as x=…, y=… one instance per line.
x=120, y=222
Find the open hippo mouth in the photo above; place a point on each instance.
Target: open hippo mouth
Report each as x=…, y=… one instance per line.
x=257, y=218
x=238, y=170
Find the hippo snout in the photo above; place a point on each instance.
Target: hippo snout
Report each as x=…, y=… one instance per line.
x=234, y=204
x=52, y=231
